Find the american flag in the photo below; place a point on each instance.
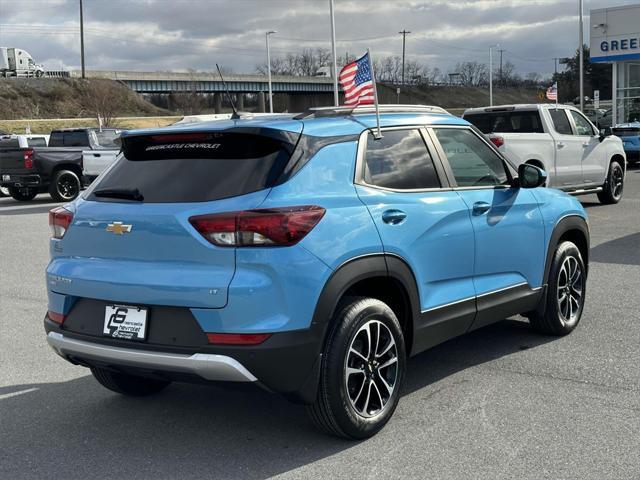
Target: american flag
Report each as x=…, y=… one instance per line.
x=357, y=81
x=552, y=92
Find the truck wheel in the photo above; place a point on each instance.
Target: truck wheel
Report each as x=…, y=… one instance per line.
x=23, y=194
x=614, y=185
x=65, y=186
x=128, y=384
x=565, y=295
x=363, y=366
x=4, y=192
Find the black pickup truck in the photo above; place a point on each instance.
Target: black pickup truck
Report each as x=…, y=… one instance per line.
x=56, y=168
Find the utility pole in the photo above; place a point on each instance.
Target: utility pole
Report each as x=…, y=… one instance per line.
x=491, y=73
x=404, y=34
x=581, y=34
x=270, y=32
x=555, y=66
x=82, y=39
x=501, y=78
x=336, y=99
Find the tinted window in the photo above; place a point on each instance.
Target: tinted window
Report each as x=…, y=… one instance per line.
x=507, y=122
x=560, y=121
x=9, y=143
x=626, y=132
x=399, y=160
x=37, y=142
x=69, y=139
x=472, y=161
x=197, y=167
x=583, y=127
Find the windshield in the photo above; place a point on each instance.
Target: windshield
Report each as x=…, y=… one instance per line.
x=198, y=167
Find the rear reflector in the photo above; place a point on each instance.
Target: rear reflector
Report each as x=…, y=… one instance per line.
x=237, y=338
x=56, y=317
x=59, y=220
x=274, y=227
x=497, y=141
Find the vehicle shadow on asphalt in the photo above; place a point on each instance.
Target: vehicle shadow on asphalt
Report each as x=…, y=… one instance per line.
x=77, y=429
x=624, y=251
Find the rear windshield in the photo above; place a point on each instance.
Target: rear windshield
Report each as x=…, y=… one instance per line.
x=627, y=132
x=196, y=167
x=69, y=139
x=9, y=143
x=507, y=122
x=105, y=138
x=37, y=141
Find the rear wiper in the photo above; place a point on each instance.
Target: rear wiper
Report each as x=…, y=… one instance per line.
x=126, y=193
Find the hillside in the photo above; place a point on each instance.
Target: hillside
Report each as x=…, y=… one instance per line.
x=68, y=98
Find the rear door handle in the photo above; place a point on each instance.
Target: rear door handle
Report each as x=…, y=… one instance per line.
x=96, y=154
x=560, y=144
x=393, y=217
x=480, y=207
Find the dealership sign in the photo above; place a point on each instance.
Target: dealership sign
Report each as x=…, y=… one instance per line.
x=615, y=34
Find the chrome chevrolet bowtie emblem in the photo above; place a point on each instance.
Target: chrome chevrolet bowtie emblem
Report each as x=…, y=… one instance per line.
x=118, y=228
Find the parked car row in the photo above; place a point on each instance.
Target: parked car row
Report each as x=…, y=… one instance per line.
x=32, y=164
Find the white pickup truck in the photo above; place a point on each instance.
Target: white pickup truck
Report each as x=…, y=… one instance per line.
x=577, y=157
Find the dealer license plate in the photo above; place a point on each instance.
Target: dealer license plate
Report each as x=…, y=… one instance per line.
x=128, y=323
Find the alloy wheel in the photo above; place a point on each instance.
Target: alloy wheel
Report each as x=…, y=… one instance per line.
x=371, y=369
x=570, y=290
x=67, y=186
x=617, y=181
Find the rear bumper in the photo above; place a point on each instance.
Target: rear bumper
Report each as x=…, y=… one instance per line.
x=206, y=366
x=21, y=180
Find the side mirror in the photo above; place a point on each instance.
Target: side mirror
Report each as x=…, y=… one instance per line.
x=530, y=176
x=604, y=133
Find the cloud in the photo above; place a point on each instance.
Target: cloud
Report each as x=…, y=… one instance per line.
x=196, y=34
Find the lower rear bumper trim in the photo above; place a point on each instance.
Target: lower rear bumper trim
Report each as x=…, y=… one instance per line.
x=208, y=366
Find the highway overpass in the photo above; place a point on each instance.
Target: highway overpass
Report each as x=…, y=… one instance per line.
x=205, y=82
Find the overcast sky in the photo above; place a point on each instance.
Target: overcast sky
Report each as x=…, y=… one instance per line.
x=183, y=34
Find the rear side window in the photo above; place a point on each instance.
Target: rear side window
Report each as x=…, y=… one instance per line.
x=36, y=142
x=174, y=168
x=105, y=138
x=507, y=122
x=9, y=143
x=472, y=161
x=69, y=139
x=399, y=160
x=560, y=121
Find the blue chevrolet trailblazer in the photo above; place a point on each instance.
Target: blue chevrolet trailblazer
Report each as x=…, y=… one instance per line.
x=308, y=255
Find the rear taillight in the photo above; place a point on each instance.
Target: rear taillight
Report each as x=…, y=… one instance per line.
x=56, y=317
x=28, y=159
x=273, y=227
x=497, y=141
x=237, y=338
x=59, y=221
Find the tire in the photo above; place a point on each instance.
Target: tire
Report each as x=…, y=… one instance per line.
x=4, y=192
x=357, y=403
x=128, y=384
x=65, y=186
x=614, y=184
x=23, y=194
x=568, y=280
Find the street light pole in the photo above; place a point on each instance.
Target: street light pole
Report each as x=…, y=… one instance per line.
x=404, y=34
x=82, y=40
x=336, y=99
x=581, y=39
x=491, y=73
x=269, y=69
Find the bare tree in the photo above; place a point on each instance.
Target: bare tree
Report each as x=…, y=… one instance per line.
x=99, y=97
x=473, y=73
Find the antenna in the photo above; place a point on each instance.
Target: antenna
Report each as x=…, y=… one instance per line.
x=235, y=115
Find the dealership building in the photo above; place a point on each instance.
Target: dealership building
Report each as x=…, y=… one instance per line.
x=615, y=38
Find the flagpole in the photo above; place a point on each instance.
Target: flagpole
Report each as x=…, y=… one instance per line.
x=336, y=99
x=375, y=95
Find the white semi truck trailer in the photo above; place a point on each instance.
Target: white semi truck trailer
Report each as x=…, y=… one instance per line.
x=15, y=62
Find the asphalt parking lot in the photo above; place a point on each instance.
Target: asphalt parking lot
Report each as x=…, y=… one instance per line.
x=500, y=403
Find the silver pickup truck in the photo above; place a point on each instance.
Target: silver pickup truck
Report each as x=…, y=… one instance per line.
x=577, y=157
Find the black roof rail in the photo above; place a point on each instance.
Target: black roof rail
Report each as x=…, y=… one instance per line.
x=367, y=109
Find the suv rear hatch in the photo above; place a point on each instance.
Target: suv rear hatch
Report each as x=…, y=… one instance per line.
x=131, y=239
